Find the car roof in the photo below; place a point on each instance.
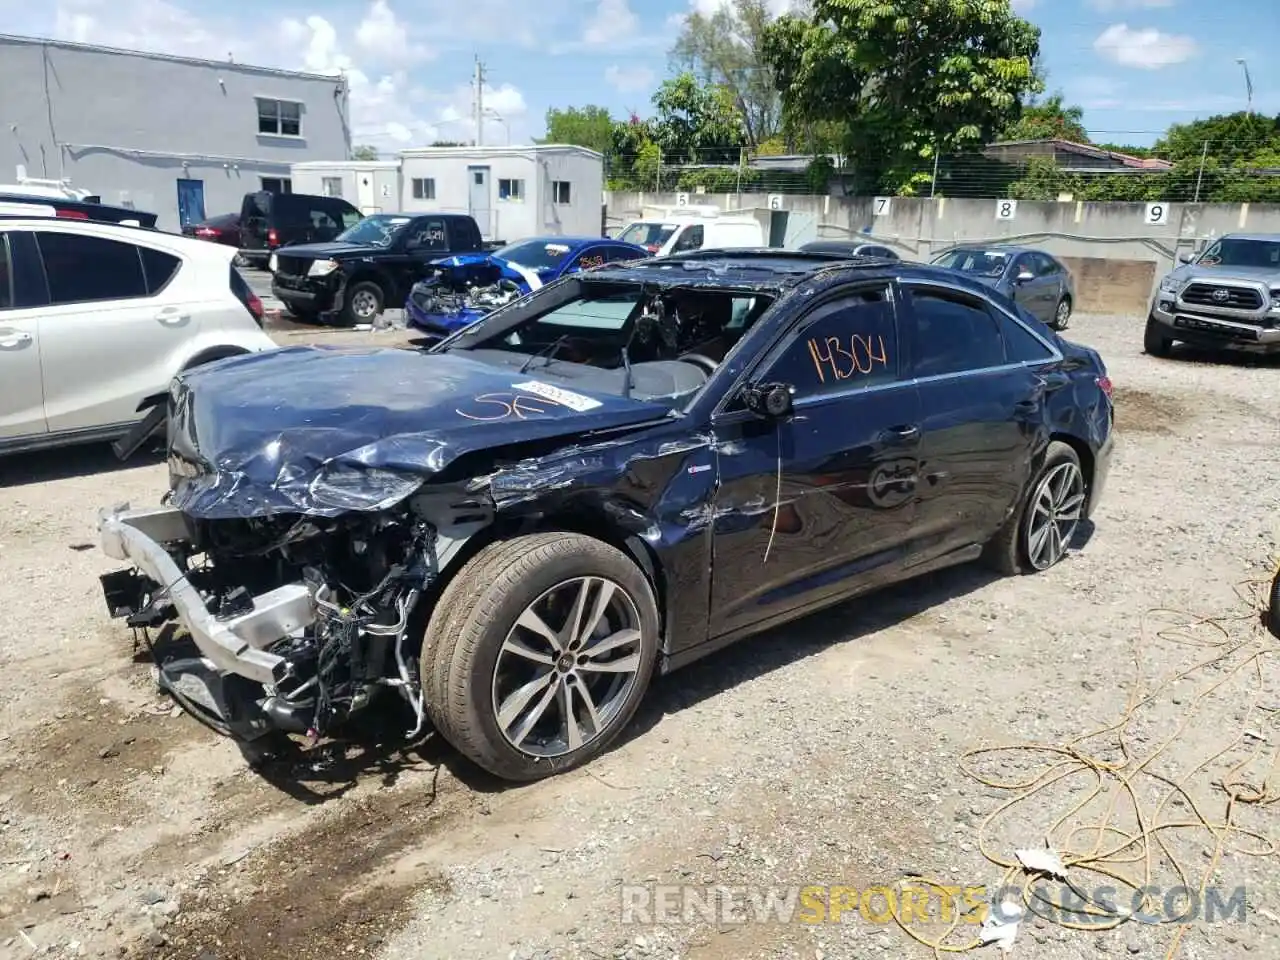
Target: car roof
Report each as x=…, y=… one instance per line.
x=118, y=231
x=1264, y=237
x=1011, y=249
x=767, y=268
x=576, y=242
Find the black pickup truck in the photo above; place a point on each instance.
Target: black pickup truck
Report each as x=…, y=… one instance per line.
x=371, y=264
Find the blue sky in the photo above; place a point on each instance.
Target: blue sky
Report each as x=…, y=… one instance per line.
x=1134, y=65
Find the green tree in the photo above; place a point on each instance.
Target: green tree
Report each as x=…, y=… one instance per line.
x=364, y=152
x=696, y=123
x=905, y=77
x=724, y=49
x=1050, y=119
x=588, y=126
x=1231, y=137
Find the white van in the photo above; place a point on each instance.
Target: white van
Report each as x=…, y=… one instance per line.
x=682, y=231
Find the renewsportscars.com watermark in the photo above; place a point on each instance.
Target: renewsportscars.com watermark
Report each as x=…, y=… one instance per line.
x=909, y=903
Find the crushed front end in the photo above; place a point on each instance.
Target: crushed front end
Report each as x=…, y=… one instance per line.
x=461, y=291
x=296, y=623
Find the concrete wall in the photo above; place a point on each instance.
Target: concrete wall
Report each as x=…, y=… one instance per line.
x=1116, y=254
x=128, y=126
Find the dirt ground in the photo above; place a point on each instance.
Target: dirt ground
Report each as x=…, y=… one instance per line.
x=832, y=753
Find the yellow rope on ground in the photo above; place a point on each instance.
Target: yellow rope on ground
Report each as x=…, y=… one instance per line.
x=1103, y=848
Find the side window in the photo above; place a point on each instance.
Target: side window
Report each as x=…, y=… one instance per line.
x=691, y=239
x=1021, y=265
x=619, y=254
x=953, y=334
x=428, y=235
x=321, y=220
x=591, y=257
x=81, y=269
x=1019, y=344
x=1048, y=267
x=159, y=268
x=849, y=342
x=6, y=275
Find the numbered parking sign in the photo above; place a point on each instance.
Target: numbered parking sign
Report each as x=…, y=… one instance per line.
x=1157, y=214
x=1006, y=209
x=775, y=201
x=682, y=199
x=882, y=206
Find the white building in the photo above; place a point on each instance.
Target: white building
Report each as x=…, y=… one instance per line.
x=374, y=186
x=513, y=192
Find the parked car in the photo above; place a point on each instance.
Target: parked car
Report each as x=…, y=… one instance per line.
x=469, y=286
x=270, y=220
x=372, y=264
x=849, y=248
x=683, y=232
x=224, y=228
x=95, y=320
x=1032, y=278
x=29, y=205
x=612, y=477
x=1226, y=298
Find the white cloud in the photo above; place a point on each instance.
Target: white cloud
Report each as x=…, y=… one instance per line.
x=1023, y=6
x=374, y=48
x=1108, y=5
x=1147, y=48
x=613, y=20
x=709, y=7
x=629, y=79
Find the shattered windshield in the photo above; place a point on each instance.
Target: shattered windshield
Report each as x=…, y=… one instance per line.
x=1238, y=252
x=984, y=263
x=379, y=230
x=648, y=234
x=534, y=254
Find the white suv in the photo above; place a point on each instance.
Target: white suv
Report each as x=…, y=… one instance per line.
x=96, y=318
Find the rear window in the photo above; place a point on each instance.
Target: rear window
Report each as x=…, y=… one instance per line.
x=80, y=269
x=158, y=267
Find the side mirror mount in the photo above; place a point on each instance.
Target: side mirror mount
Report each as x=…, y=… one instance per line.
x=1186, y=257
x=770, y=401
x=1025, y=276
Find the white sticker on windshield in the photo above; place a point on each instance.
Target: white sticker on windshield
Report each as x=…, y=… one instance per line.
x=566, y=398
x=399, y=220
x=556, y=248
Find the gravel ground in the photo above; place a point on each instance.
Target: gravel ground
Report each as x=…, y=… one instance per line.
x=826, y=754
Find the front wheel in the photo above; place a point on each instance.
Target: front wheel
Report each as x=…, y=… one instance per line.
x=1062, y=315
x=363, y=303
x=1273, y=607
x=1154, y=341
x=1039, y=532
x=539, y=652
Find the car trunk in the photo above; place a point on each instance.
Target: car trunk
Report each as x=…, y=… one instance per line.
x=255, y=219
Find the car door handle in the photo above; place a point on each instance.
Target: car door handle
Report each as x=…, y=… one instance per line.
x=171, y=316
x=1027, y=406
x=13, y=338
x=909, y=433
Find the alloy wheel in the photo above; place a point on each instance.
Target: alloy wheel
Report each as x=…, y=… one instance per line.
x=1064, y=313
x=1056, y=509
x=557, y=688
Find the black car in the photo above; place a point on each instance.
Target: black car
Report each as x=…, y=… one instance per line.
x=627, y=469
x=374, y=263
x=849, y=248
x=270, y=220
x=90, y=208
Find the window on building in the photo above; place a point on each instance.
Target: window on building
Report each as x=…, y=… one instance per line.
x=81, y=269
x=277, y=184
x=279, y=118
x=560, y=192
x=331, y=186
x=510, y=189
x=424, y=188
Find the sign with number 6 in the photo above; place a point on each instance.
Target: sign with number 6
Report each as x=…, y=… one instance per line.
x=775, y=201
x=1006, y=209
x=1157, y=214
x=882, y=206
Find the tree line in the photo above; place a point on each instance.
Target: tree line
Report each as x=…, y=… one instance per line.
x=904, y=94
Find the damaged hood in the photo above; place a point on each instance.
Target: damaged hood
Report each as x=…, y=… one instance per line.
x=484, y=267
x=325, y=431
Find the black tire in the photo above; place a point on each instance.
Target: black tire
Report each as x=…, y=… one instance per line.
x=1154, y=341
x=470, y=625
x=355, y=294
x=1007, y=551
x=1273, y=607
x=1062, y=314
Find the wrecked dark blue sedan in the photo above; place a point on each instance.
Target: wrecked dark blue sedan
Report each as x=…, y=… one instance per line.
x=514, y=529
x=466, y=287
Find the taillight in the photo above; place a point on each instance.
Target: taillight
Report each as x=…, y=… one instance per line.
x=273, y=239
x=255, y=307
x=1104, y=384
x=246, y=296
x=206, y=232
x=72, y=214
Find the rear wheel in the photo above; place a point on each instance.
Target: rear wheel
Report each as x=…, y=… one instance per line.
x=362, y=304
x=1039, y=532
x=1273, y=607
x=1154, y=341
x=539, y=653
x=1062, y=315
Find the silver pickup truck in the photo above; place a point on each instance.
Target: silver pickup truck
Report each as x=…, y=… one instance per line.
x=1228, y=297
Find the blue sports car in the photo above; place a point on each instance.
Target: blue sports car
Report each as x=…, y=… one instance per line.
x=466, y=287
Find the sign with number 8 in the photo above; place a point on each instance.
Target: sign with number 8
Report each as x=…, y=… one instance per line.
x=1006, y=209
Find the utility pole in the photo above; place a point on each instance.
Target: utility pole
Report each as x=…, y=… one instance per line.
x=1200, y=176
x=479, y=102
x=1248, y=84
